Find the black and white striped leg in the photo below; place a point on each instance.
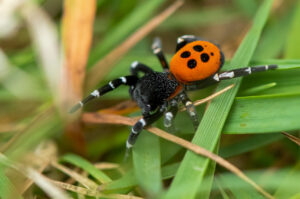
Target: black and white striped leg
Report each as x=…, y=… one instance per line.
x=126, y=80
x=157, y=50
x=148, y=119
x=171, y=114
x=242, y=72
x=137, y=67
x=190, y=108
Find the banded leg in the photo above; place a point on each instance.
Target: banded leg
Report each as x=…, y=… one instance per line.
x=171, y=114
x=126, y=80
x=139, y=67
x=157, y=50
x=190, y=108
x=145, y=121
x=240, y=72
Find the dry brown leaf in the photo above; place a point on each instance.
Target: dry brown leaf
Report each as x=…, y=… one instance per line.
x=122, y=108
x=101, y=68
x=89, y=184
x=117, y=119
x=48, y=151
x=78, y=20
x=292, y=138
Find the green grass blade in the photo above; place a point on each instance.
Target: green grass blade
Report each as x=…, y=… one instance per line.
x=282, y=192
x=247, y=192
x=293, y=42
x=268, y=47
x=192, y=169
x=146, y=161
x=197, y=18
x=249, y=144
x=129, y=180
x=264, y=114
x=87, y=166
x=7, y=189
x=139, y=16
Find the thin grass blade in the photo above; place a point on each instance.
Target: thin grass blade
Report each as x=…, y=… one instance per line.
x=146, y=161
x=87, y=166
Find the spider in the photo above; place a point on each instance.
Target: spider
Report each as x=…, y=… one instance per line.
x=195, y=65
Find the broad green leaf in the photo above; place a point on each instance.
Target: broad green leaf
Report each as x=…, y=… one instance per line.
x=87, y=166
x=264, y=114
x=146, y=161
x=193, y=168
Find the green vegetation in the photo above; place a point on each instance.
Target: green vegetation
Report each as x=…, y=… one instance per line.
x=47, y=53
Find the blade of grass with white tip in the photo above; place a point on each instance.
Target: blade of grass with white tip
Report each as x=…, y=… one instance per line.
x=209, y=130
x=87, y=166
x=146, y=161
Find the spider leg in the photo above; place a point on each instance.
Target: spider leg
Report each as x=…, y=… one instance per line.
x=126, y=80
x=240, y=72
x=137, y=67
x=157, y=50
x=190, y=108
x=171, y=114
x=147, y=119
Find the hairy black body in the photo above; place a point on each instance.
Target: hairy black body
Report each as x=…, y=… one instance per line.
x=153, y=90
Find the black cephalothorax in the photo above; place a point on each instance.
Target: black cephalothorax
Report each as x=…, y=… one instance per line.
x=158, y=93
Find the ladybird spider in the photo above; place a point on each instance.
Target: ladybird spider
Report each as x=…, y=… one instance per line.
x=195, y=65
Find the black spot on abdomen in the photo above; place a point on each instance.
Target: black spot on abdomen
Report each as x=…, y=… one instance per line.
x=192, y=63
x=185, y=54
x=198, y=48
x=204, y=57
